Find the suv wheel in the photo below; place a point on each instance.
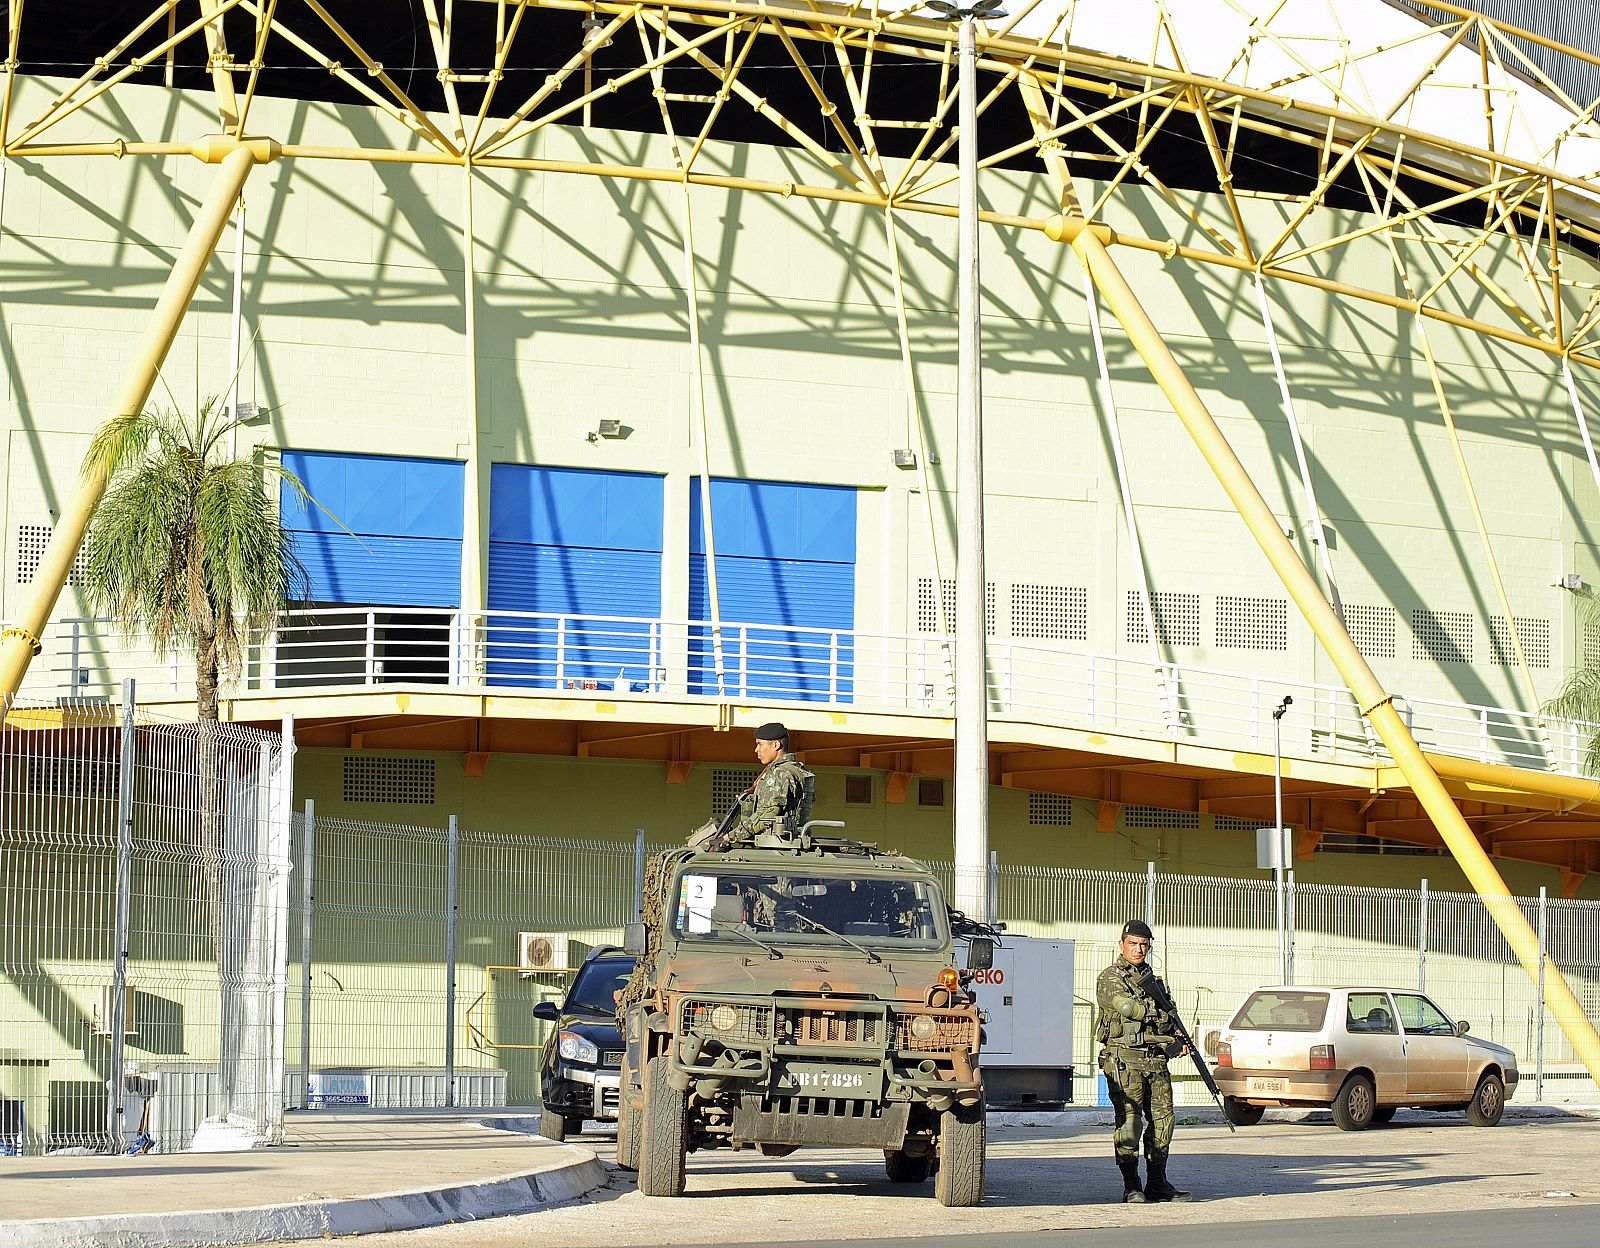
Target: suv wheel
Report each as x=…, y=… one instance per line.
x=1488, y=1103
x=664, y=1131
x=902, y=1167
x=627, y=1123
x=1353, y=1107
x=958, y=1183
x=1241, y=1113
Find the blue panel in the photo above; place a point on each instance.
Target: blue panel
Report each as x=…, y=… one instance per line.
x=785, y=556
x=394, y=535
x=575, y=507
x=572, y=542
x=381, y=571
x=777, y=520
x=379, y=494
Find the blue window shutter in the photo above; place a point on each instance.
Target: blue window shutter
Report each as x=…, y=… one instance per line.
x=393, y=537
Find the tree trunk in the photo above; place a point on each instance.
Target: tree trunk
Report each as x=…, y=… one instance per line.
x=208, y=758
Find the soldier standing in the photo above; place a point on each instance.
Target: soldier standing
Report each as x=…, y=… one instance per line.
x=1137, y=1039
x=781, y=793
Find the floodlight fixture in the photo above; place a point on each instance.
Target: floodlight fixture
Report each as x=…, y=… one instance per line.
x=593, y=29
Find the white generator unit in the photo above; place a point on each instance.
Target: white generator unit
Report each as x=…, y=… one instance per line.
x=1027, y=999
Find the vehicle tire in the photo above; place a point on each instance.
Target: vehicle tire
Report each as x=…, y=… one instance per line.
x=958, y=1182
x=663, y=1132
x=1353, y=1107
x=627, y=1124
x=1488, y=1103
x=902, y=1167
x=1241, y=1113
x=1384, y=1113
x=552, y=1126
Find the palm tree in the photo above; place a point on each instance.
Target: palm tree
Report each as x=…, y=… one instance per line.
x=186, y=547
x=1579, y=696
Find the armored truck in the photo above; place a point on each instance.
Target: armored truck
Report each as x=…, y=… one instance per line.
x=801, y=990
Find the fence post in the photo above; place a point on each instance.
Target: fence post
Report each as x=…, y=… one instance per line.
x=308, y=859
x=1538, y=1064
x=450, y=966
x=638, y=875
x=117, y=1007
x=1150, y=894
x=1422, y=939
x=994, y=885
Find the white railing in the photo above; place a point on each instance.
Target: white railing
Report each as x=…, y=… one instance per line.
x=628, y=657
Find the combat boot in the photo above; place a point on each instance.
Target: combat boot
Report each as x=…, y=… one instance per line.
x=1157, y=1188
x=1132, y=1193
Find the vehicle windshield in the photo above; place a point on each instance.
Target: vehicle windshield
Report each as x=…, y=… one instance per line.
x=716, y=904
x=1282, y=1009
x=592, y=991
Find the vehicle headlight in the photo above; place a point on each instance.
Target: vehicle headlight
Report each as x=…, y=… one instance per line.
x=724, y=1018
x=924, y=1026
x=575, y=1048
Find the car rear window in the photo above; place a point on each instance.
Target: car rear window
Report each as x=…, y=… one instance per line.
x=1282, y=1010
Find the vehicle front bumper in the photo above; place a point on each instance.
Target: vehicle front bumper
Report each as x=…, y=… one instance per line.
x=1274, y=1086
x=582, y=1091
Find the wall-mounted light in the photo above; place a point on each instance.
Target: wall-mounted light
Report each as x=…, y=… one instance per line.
x=1570, y=580
x=903, y=457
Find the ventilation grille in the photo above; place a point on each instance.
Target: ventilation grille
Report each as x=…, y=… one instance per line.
x=1227, y=823
x=1372, y=629
x=1050, y=612
x=1156, y=817
x=55, y=775
x=858, y=790
x=928, y=606
x=1177, y=619
x=31, y=541
x=930, y=792
x=1591, y=642
x=1443, y=636
x=399, y=781
x=1252, y=623
x=726, y=785
x=1049, y=810
x=1535, y=635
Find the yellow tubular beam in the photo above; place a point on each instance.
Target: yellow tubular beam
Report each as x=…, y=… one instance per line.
x=1376, y=705
x=20, y=642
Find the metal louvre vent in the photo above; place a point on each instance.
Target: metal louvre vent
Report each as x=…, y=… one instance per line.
x=928, y=606
x=842, y=1026
x=1443, y=636
x=399, y=781
x=1049, y=810
x=1535, y=636
x=31, y=541
x=1156, y=817
x=1591, y=643
x=1252, y=623
x=1050, y=612
x=727, y=783
x=58, y=775
x=1372, y=629
x=1177, y=619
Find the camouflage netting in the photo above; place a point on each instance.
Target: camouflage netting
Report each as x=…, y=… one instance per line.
x=656, y=869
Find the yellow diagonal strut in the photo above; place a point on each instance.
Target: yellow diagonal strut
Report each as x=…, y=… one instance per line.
x=1376, y=705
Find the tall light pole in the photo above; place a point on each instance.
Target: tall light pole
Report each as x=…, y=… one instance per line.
x=972, y=688
x=1285, y=971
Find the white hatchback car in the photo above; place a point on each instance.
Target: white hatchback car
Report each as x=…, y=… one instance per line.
x=1363, y=1052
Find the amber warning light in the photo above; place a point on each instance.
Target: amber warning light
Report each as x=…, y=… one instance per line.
x=949, y=977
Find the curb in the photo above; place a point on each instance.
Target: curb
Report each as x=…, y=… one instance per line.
x=318, y=1219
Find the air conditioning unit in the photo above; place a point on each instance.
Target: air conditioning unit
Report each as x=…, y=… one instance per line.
x=542, y=951
x=102, y=1015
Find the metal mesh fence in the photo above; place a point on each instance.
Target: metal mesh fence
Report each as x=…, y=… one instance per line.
x=143, y=877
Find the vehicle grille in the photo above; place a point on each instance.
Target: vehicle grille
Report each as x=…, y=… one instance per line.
x=611, y=1058
x=821, y=1107
x=952, y=1031
x=841, y=1026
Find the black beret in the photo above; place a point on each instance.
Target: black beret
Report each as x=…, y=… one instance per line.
x=1138, y=927
x=772, y=732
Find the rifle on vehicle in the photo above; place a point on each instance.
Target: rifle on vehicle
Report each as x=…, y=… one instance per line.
x=1153, y=988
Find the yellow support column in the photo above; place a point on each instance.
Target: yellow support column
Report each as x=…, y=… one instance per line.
x=1376, y=705
x=20, y=642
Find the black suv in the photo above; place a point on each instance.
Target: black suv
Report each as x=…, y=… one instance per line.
x=583, y=1055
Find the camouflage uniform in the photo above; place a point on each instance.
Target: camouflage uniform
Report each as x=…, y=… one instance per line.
x=778, y=795
x=1137, y=1037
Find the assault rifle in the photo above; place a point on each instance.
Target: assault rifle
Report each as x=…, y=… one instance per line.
x=1157, y=992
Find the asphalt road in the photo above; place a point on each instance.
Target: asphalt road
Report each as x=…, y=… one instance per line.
x=1529, y=1182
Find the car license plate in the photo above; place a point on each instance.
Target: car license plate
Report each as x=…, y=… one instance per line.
x=1254, y=1084
x=854, y=1083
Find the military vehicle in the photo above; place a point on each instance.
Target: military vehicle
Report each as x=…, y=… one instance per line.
x=801, y=989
